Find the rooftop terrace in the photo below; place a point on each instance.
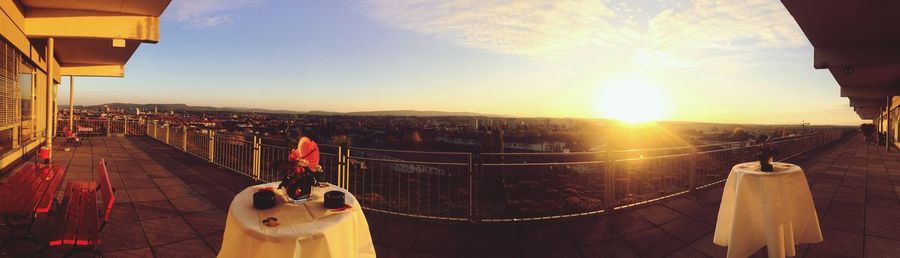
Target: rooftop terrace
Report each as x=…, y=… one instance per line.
x=169, y=202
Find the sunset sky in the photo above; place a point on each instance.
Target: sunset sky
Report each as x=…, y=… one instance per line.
x=710, y=61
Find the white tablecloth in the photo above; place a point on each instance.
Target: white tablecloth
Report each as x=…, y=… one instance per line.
x=325, y=234
x=773, y=209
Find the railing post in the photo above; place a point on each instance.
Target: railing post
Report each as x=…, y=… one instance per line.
x=212, y=145
x=108, y=127
x=167, y=132
x=692, y=170
x=610, y=185
x=125, y=133
x=343, y=167
x=155, y=130
x=256, y=156
x=474, y=164
x=346, y=176
x=340, y=166
x=184, y=139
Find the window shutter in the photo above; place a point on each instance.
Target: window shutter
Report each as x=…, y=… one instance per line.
x=9, y=89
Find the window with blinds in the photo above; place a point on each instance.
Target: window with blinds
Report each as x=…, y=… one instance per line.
x=10, y=59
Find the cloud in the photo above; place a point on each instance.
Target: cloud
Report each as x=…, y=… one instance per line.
x=527, y=28
x=723, y=32
x=666, y=32
x=206, y=13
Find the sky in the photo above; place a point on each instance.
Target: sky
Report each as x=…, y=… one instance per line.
x=729, y=61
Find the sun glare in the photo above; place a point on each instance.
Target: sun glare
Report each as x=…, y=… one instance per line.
x=634, y=100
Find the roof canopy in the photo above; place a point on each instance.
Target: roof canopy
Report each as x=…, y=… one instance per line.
x=856, y=41
x=94, y=37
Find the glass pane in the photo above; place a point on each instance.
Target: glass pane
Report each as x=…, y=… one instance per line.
x=25, y=86
x=6, y=140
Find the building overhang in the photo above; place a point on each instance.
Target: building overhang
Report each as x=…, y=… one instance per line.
x=93, y=37
x=89, y=70
x=871, y=92
x=871, y=115
x=856, y=41
x=864, y=102
x=45, y=23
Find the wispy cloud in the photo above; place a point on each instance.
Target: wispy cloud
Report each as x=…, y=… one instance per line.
x=723, y=32
x=673, y=33
x=206, y=13
x=528, y=28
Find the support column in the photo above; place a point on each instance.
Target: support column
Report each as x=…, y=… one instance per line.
x=72, y=103
x=50, y=115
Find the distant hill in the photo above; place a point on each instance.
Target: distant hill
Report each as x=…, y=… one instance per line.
x=413, y=113
x=185, y=107
x=181, y=107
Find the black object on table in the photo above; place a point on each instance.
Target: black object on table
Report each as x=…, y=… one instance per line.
x=334, y=199
x=264, y=199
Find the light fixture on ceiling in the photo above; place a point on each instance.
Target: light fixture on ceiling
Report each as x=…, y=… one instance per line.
x=848, y=70
x=118, y=42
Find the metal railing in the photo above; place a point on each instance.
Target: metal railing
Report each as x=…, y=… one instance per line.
x=105, y=126
x=482, y=187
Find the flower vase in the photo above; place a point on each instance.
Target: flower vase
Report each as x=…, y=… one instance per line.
x=300, y=188
x=765, y=163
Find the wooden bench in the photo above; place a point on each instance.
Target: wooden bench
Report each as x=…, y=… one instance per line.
x=78, y=223
x=27, y=193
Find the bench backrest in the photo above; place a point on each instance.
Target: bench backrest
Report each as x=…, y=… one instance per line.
x=106, y=191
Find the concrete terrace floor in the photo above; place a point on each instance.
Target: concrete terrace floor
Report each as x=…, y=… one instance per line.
x=171, y=204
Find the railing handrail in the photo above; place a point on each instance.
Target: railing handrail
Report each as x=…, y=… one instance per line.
x=409, y=162
x=411, y=151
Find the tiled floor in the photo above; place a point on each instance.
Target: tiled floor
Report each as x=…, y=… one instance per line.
x=168, y=204
x=173, y=205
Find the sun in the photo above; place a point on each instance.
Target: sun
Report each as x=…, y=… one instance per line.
x=633, y=100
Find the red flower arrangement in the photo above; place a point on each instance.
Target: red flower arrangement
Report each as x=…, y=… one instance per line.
x=305, y=172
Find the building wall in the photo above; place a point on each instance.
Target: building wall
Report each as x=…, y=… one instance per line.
x=26, y=134
x=894, y=130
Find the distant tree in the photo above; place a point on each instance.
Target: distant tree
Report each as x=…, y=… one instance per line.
x=342, y=139
x=739, y=134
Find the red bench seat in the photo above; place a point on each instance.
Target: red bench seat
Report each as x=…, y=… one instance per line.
x=78, y=222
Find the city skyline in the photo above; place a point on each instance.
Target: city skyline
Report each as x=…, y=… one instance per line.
x=737, y=62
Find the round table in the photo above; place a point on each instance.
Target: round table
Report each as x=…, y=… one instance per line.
x=773, y=209
x=305, y=230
